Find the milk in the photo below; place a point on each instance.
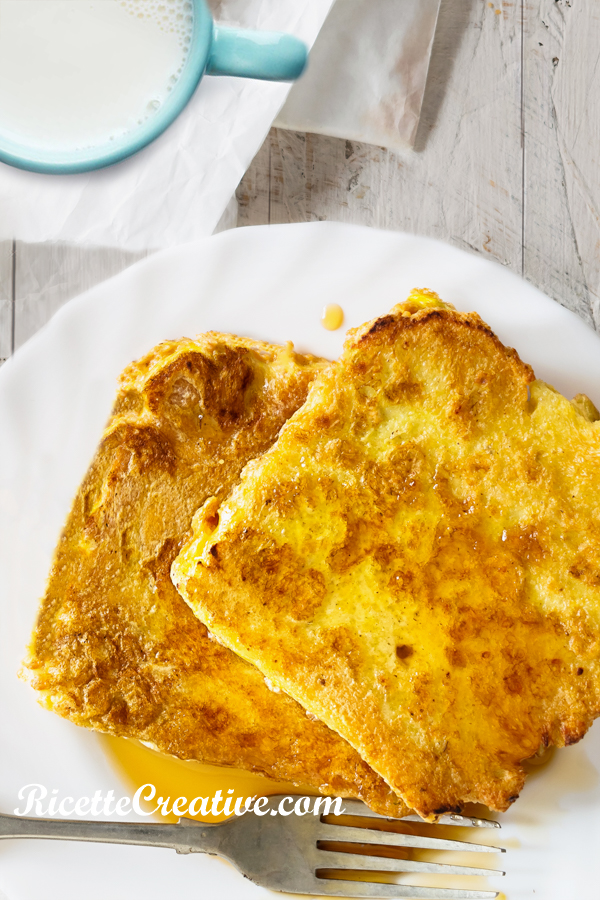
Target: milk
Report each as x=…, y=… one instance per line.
x=78, y=73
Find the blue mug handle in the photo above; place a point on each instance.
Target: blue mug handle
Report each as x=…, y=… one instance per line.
x=268, y=55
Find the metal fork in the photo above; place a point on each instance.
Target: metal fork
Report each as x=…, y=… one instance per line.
x=283, y=853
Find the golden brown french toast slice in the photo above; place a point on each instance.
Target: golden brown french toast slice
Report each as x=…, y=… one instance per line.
x=417, y=558
x=115, y=647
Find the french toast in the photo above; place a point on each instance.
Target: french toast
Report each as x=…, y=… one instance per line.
x=115, y=648
x=416, y=560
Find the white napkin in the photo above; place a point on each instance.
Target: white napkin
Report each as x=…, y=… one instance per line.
x=368, y=71
x=176, y=189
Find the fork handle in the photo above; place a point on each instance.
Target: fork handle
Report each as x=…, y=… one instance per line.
x=188, y=836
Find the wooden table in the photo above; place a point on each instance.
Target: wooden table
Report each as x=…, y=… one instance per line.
x=507, y=163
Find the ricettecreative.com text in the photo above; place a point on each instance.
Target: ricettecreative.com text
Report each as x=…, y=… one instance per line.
x=38, y=801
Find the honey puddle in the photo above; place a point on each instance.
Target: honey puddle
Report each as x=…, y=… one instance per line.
x=138, y=765
x=332, y=317
x=536, y=764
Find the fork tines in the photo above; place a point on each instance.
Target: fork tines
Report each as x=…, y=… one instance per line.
x=346, y=834
x=373, y=891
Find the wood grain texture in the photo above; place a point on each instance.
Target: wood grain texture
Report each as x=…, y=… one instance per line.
x=576, y=102
x=6, y=288
x=506, y=160
x=558, y=236
x=47, y=275
x=464, y=182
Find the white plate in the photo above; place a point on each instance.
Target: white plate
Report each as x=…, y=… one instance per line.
x=55, y=396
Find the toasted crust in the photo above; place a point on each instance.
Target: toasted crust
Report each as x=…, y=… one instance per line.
x=115, y=648
x=437, y=512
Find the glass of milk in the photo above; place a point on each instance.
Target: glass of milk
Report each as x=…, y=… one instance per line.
x=86, y=83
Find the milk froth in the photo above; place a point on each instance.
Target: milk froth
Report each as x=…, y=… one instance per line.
x=78, y=73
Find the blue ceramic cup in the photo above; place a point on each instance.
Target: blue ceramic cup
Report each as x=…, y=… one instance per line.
x=267, y=55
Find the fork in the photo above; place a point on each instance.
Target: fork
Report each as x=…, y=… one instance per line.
x=283, y=853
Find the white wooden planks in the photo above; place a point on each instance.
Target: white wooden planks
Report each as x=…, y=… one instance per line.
x=464, y=182
x=505, y=163
x=576, y=102
x=553, y=229
x=6, y=288
x=47, y=275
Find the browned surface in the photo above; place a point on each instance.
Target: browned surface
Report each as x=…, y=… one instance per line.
x=115, y=648
x=438, y=514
